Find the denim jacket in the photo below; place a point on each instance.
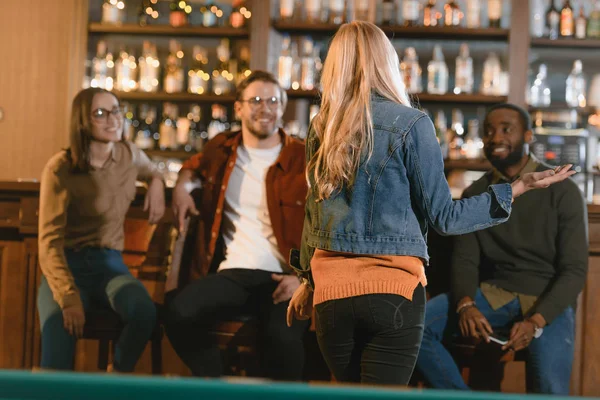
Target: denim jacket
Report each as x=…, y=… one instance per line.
x=396, y=194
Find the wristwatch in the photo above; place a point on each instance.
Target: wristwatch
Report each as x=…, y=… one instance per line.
x=537, y=331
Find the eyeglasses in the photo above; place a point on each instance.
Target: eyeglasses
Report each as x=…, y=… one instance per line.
x=255, y=102
x=102, y=114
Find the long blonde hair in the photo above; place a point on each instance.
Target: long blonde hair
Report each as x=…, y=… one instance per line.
x=360, y=60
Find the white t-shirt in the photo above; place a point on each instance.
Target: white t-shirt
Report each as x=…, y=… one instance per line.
x=249, y=239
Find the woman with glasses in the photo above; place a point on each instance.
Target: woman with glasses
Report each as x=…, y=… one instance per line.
x=85, y=193
x=376, y=179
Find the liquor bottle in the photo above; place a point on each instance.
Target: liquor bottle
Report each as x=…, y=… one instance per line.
x=441, y=132
x=218, y=122
x=209, y=14
x=490, y=81
x=431, y=16
x=128, y=121
x=552, y=21
x=198, y=76
x=537, y=18
x=198, y=133
x=102, y=68
x=307, y=73
x=456, y=138
x=222, y=77
x=410, y=12
x=126, y=69
x=575, y=93
x=473, y=13
x=315, y=11
x=243, y=70
x=149, y=66
x=473, y=147
x=177, y=16
x=567, y=21
x=237, y=18
x=411, y=71
x=285, y=63
x=437, y=73
x=463, y=82
x=168, y=127
x=174, y=76
x=494, y=13
x=286, y=10
x=452, y=14
x=361, y=10
x=389, y=12
x=539, y=94
x=580, y=24
x=145, y=134
x=593, y=28
x=337, y=11
x=113, y=12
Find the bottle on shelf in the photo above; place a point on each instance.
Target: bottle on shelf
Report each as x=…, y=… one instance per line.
x=209, y=14
x=316, y=11
x=580, y=24
x=593, y=26
x=576, y=86
x=307, y=73
x=243, y=70
x=463, y=82
x=410, y=12
x=389, y=13
x=126, y=71
x=552, y=21
x=146, y=134
x=222, y=78
x=456, y=136
x=539, y=94
x=296, y=66
x=537, y=18
x=218, y=122
x=177, y=15
x=492, y=70
x=411, y=71
x=168, y=127
x=494, y=13
x=198, y=75
x=128, y=121
x=113, y=12
x=473, y=14
x=285, y=63
x=102, y=68
x=149, y=66
x=473, y=147
x=437, y=72
x=183, y=137
x=198, y=133
x=431, y=16
x=441, y=132
x=567, y=20
x=286, y=10
x=452, y=14
x=144, y=13
x=237, y=19
x=337, y=12
x=361, y=10
x=174, y=76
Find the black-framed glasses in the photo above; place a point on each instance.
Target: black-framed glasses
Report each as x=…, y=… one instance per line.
x=255, y=102
x=102, y=114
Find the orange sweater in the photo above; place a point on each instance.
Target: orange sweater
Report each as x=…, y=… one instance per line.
x=340, y=275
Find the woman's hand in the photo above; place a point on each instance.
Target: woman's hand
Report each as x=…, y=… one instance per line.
x=155, y=200
x=540, y=180
x=74, y=320
x=301, y=304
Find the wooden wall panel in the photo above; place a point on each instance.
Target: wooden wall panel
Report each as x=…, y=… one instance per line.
x=590, y=358
x=43, y=46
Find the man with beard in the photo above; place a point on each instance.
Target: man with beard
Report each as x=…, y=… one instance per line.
x=520, y=279
x=249, y=215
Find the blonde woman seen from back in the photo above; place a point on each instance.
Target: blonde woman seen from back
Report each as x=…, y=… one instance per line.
x=376, y=178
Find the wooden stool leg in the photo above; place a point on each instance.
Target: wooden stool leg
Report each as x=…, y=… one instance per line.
x=103, y=350
x=156, y=355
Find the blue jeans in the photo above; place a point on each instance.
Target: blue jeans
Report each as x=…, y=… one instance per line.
x=549, y=358
x=103, y=281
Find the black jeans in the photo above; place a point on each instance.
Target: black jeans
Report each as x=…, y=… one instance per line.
x=195, y=309
x=372, y=338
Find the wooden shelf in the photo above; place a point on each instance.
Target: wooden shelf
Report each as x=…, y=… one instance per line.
x=569, y=43
x=180, y=154
x=400, y=32
x=303, y=94
x=167, y=30
x=175, y=97
x=564, y=107
x=458, y=98
x=470, y=165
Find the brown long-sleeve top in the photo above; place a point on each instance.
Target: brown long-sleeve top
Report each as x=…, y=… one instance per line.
x=85, y=210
